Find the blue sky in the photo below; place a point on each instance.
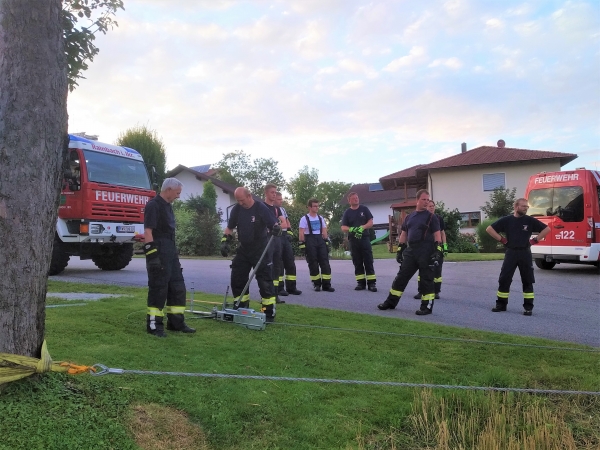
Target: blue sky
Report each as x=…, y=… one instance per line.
x=353, y=88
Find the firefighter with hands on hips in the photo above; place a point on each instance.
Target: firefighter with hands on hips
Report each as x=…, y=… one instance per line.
x=165, y=275
x=276, y=246
x=253, y=220
x=356, y=221
x=420, y=249
x=518, y=228
x=315, y=244
x=287, y=286
x=437, y=271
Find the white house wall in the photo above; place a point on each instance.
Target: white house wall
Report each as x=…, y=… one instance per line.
x=462, y=188
x=192, y=187
x=381, y=213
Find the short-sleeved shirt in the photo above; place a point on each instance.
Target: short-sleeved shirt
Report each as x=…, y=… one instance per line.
x=357, y=218
x=276, y=210
x=315, y=224
x=420, y=226
x=252, y=223
x=160, y=218
x=518, y=229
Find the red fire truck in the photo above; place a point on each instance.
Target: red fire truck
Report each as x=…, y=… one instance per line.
x=568, y=202
x=101, y=213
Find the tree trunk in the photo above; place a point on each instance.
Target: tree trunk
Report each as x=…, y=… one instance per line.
x=33, y=141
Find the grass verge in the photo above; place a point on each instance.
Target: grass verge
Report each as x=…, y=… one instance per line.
x=159, y=411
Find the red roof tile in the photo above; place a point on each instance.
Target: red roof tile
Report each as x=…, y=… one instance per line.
x=366, y=196
x=495, y=155
x=406, y=173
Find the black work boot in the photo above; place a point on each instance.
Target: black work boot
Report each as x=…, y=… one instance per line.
x=500, y=306
x=294, y=291
x=360, y=287
x=154, y=326
x=424, y=309
x=390, y=303
x=184, y=329
x=245, y=304
x=417, y=297
x=328, y=288
x=527, y=306
x=317, y=287
x=372, y=287
x=269, y=311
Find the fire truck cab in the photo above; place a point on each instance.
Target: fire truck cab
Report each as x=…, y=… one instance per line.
x=569, y=203
x=101, y=213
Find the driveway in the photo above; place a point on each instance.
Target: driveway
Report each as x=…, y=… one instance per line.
x=567, y=298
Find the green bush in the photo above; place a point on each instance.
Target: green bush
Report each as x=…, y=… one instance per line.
x=336, y=235
x=464, y=243
x=487, y=244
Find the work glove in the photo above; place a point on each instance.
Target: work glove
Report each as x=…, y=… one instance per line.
x=290, y=235
x=302, y=248
x=445, y=247
x=533, y=241
x=328, y=245
x=276, y=230
x=437, y=256
x=399, y=253
x=356, y=231
x=225, y=248
x=153, y=263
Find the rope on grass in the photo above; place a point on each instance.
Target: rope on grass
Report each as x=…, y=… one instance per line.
x=101, y=369
x=15, y=367
x=473, y=341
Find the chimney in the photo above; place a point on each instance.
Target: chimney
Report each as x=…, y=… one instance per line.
x=463, y=147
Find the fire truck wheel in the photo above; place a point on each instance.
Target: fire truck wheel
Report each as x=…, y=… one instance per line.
x=60, y=258
x=117, y=259
x=545, y=265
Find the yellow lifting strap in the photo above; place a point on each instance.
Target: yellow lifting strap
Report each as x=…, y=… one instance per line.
x=15, y=367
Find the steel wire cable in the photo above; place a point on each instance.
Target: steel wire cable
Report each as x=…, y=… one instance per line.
x=101, y=369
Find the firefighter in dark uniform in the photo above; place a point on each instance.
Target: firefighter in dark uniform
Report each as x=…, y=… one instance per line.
x=277, y=244
x=356, y=221
x=315, y=244
x=518, y=228
x=419, y=249
x=287, y=284
x=165, y=277
x=437, y=271
x=253, y=220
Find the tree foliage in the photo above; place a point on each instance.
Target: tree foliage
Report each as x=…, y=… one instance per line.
x=330, y=195
x=81, y=21
x=150, y=146
x=303, y=186
x=457, y=243
x=254, y=174
x=198, y=228
x=501, y=202
x=487, y=243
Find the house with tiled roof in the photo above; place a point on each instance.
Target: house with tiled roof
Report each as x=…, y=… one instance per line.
x=193, y=180
x=378, y=200
x=465, y=181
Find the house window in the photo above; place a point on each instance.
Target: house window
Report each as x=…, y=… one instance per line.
x=470, y=219
x=493, y=181
x=374, y=187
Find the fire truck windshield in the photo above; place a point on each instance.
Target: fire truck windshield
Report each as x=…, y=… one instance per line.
x=112, y=169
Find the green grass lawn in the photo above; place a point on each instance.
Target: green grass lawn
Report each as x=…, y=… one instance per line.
x=58, y=411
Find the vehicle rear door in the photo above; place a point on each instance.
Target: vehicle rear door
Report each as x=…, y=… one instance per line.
x=569, y=227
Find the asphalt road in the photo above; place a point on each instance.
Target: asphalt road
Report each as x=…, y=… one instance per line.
x=567, y=298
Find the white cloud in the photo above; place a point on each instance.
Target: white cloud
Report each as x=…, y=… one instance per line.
x=494, y=24
x=415, y=57
x=451, y=63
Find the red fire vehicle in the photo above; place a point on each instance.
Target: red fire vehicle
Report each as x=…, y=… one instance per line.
x=568, y=202
x=102, y=202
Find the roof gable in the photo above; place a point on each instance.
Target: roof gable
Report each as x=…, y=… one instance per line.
x=366, y=195
x=226, y=187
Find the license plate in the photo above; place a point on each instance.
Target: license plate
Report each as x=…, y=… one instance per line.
x=126, y=229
